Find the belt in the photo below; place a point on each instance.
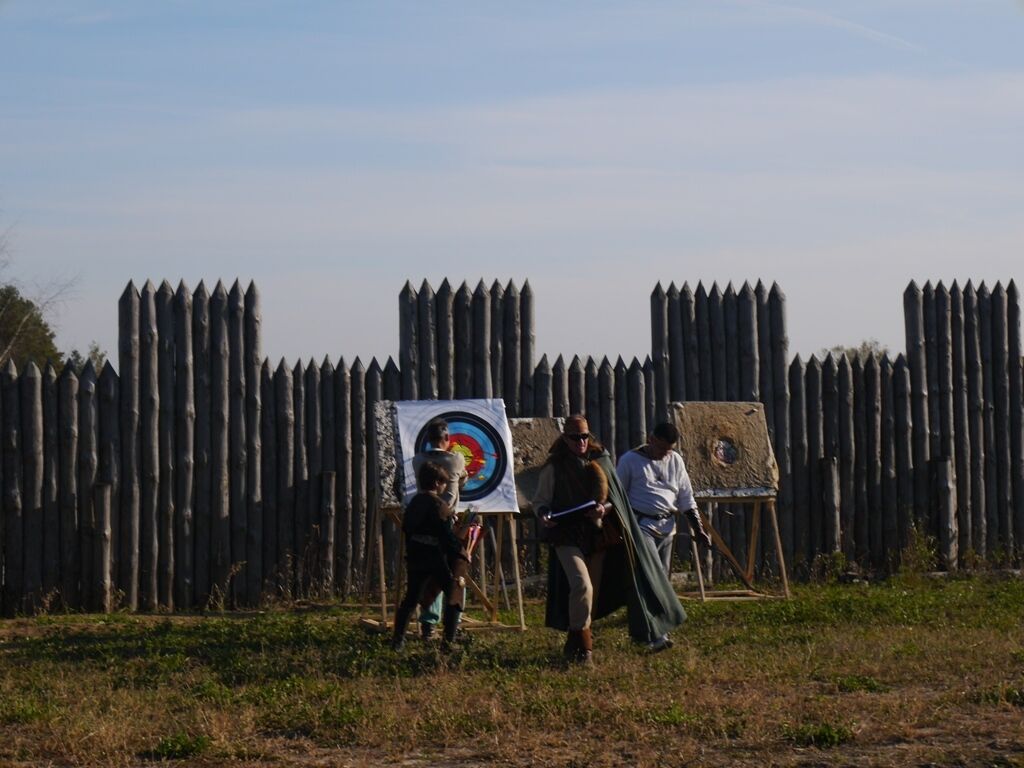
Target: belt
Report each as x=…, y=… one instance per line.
x=662, y=516
x=421, y=538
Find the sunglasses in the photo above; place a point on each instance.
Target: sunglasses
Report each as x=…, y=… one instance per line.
x=578, y=436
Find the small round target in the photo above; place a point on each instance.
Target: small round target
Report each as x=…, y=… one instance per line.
x=480, y=445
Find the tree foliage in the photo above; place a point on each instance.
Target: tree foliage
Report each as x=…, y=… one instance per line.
x=24, y=333
x=865, y=348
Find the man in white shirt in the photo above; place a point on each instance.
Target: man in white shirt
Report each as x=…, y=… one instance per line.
x=658, y=487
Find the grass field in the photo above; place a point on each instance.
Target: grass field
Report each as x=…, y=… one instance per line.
x=913, y=671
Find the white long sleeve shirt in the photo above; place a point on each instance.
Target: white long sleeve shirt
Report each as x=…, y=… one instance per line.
x=656, y=489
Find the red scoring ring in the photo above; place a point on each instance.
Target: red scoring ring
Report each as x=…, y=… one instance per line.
x=473, y=452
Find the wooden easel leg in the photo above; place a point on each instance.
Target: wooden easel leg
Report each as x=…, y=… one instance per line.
x=499, y=577
x=515, y=568
x=752, y=533
x=778, y=547
x=699, y=567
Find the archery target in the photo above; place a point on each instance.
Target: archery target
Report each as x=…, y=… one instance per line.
x=481, y=447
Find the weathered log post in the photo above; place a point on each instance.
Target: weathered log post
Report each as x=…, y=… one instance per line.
x=103, y=587
x=873, y=457
x=991, y=527
x=606, y=393
x=220, y=519
x=31, y=386
x=149, y=445
x=165, y=440
x=426, y=336
x=358, y=417
x=847, y=455
x=702, y=320
x=649, y=390
x=343, y=479
x=302, y=495
x=314, y=466
x=719, y=350
x=497, y=339
x=253, y=446
x=637, y=400
x=238, y=443
x=50, y=509
x=1016, y=412
x=813, y=536
x=88, y=466
x=462, y=309
x=887, y=522
x=764, y=353
x=904, y=437
x=780, y=387
x=975, y=419
x=444, y=312
x=560, y=388
x=14, y=514
x=128, y=365
x=795, y=526
x=732, y=354
x=961, y=425
x=108, y=402
x=860, y=463
x=185, y=441
x=828, y=468
x=621, y=407
x=203, y=514
x=914, y=325
x=512, y=349
x=67, y=462
x=830, y=448
x=593, y=400
x=676, y=363
x=577, y=386
x=944, y=371
x=542, y=389
x=1001, y=392
x=749, y=344
x=931, y=344
x=327, y=516
x=392, y=380
x=527, y=343
x=659, y=350
x=284, y=408
x=328, y=461
x=691, y=353
x=481, y=332
x=408, y=341
x=945, y=495
x=268, y=475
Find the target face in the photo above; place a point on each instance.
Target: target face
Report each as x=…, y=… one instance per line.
x=482, y=448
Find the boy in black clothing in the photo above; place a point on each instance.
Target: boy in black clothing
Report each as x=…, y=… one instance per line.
x=433, y=553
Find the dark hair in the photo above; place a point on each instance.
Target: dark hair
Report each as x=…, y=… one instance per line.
x=437, y=430
x=666, y=431
x=431, y=474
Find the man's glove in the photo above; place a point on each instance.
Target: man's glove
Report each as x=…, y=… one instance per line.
x=697, y=526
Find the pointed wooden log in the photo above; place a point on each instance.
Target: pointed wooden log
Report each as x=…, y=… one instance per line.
x=830, y=503
x=542, y=389
x=637, y=410
x=732, y=347
x=705, y=368
x=88, y=466
x=814, y=535
x=780, y=387
x=577, y=386
x=358, y=420
x=512, y=350
x=107, y=442
x=621, y=406
x=975, y=420
x=31, y=386
x=691, y=353
x=103, y=586
x=886, y=538
x=830, y=408
x=1001, y=393
x=149, y=445
x=314, y=468
x=593, y=411
x=444, y=312
x=719, y=348
x=184, y=446
x=528, y=342
x=462, y=310
x=914, y=324
x=749, y=344
x=991, y=485
x=328, y=516
x=676, y=353
x=847, y=456
x=944, y=370
x=606, y=393
x=238, y=444
x=931, y=343
x=873, y=458
x=961, y=426
x=253, y=360
x=343, y=480
x=659, y=350
x=220, y=515
x=284, y=407
x=426, y=335
x=67, y=436
x=408, y=341
x=861, y=410
x=128, y=366
x=300, y=518
x=904, y=452
x=764, y=352
x=268, y=475
x=497, y=339
x=795, y=529
x=165, y=441
x=203, y=386
x=560, y=388
x=945, y=496
x=391, y=381
x=51, y=510
x=1016, y=434
x=481, y=333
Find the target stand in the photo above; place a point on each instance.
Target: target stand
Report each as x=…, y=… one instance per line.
x=730, y=461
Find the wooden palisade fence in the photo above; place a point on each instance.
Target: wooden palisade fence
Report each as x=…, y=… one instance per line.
x=202, y=474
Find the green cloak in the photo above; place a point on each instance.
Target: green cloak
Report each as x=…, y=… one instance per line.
x=631, y=577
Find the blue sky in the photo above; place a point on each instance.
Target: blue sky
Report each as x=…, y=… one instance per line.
x=330, y=151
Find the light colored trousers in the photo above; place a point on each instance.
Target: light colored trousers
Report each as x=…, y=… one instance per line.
x=584, y=575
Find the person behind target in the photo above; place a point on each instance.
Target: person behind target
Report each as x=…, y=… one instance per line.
x=658, y=488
